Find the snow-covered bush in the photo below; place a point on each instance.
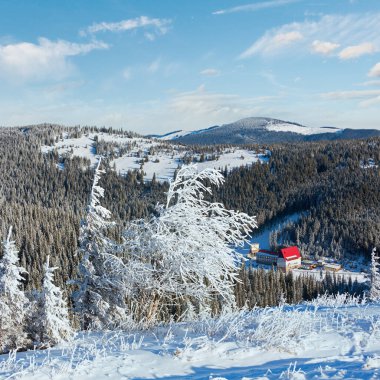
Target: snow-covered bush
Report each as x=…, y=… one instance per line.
x=336, y=300
x=100, y=298
x=292, y=373
x=224, y=326
x=184, y=255
x=13, y=302
x=281, y=329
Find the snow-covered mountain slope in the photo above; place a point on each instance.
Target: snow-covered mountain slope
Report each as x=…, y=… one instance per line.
x=172, y=135
x=331, y=338
x=300, y=129
x=152, y=156
x=264, y=131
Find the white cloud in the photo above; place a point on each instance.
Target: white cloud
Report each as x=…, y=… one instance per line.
x=370, y=83
x=272, y=79
x=274, y=43
x=48, y=59
x=127, y=73
x=255, y=6
x=210, y=72
x=365, y=98
x=375, y=71
x=189, y=110
x=202, y=108
x=58, y=89
x=150, y=36
x=368, y=98
x=350, y=30
x=352, y=94
x=357, y=50
x=286, y=38
x=154, y=66
x=324, y=47
x=159, y=25
x=370, y=102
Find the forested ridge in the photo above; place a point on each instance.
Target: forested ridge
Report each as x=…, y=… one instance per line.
x=45, y=204
x=328, y=179
x=332, y=181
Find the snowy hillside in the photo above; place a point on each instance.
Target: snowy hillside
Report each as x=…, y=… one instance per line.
x=173, y=135
x=300, y=129
x=151, y=155
x=251, y=128
x=264, y=130
x=331, y=338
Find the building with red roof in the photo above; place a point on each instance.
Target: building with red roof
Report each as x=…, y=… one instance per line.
x=286, y=258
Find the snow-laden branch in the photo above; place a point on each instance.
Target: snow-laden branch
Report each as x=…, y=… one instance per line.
x=188, y=249
x=97, y=216
x=374, y=293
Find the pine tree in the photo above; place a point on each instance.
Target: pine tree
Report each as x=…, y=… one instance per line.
x=100, y=299
x=374, y=293
x=54, y=313
x=13, y=302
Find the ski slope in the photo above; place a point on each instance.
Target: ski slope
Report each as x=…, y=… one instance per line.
x=330, y=338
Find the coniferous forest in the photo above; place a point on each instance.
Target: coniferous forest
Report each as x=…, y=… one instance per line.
x=326, y=180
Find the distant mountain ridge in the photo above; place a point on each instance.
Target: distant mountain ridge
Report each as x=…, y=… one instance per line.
x=264, y=130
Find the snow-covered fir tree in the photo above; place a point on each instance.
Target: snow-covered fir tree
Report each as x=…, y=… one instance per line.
x=53, y=313
x=374, y=293
x=100, y=298
x=186, y=252
x=13, y=302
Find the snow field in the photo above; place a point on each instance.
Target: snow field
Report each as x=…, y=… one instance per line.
x=163, y=162
x=174, y=135
x=286, y=127
x=325, y=339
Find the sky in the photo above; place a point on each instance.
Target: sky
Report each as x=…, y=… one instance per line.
x=155, y=66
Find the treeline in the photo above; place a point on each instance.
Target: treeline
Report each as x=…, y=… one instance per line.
x=258, y=287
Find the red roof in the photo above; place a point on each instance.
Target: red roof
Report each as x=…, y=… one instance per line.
x=290, y=253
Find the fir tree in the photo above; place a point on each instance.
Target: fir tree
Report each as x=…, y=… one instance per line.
x=13, y=302
x=100, y=299
x=374, y=293
x=54, y=313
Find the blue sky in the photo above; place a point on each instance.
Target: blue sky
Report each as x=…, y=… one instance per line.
x=160, y=65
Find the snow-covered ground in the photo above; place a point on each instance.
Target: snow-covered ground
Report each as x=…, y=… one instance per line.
x=174, y=135
x=288, y=127
x=163, y=162
x=332, y=338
